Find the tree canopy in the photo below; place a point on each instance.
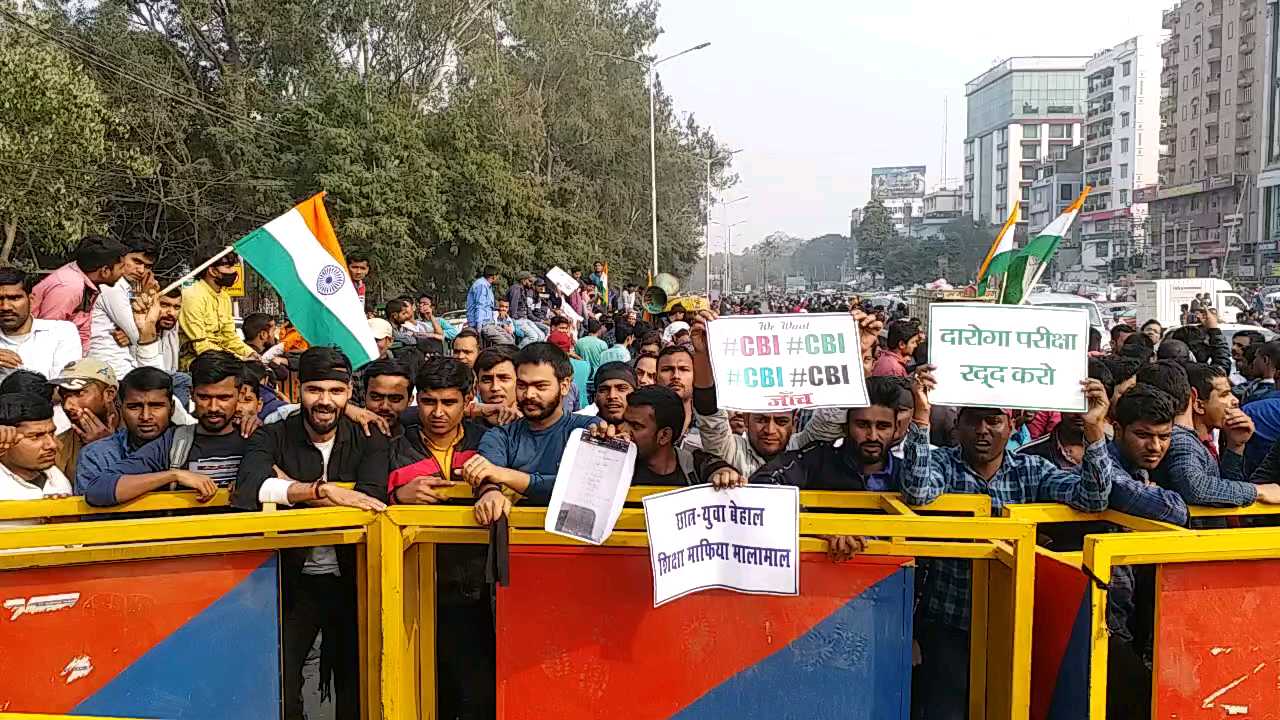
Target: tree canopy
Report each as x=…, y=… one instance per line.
x=448, y=134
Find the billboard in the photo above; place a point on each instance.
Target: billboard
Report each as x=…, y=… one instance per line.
x=897, y=182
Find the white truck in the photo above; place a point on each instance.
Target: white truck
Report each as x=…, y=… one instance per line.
x=1163, y=299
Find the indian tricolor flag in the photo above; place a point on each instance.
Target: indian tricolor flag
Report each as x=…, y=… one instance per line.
x=299, y=255
x=997, y=260
x=1029, y=264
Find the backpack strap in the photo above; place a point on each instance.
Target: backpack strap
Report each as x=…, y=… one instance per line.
x=183, y=438
x=687, y=466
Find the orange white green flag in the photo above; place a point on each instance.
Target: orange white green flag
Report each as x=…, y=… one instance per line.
x=298, y=253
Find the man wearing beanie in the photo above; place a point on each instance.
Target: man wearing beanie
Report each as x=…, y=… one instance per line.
x=298, y=463
x=614, y=383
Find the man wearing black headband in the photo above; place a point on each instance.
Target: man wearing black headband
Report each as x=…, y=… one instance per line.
x=615, y=381
x=298, y=462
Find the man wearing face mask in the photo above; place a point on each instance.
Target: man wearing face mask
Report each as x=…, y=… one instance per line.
x=206, y=319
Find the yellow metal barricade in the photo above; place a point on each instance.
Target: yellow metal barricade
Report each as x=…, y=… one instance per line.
x=1002, y=550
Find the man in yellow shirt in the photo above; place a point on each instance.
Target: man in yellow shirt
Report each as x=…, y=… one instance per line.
x=206, y=321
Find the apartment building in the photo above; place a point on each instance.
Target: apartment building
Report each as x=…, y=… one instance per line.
x=1204, y=214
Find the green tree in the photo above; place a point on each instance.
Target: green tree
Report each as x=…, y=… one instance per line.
x=56, y=142
x=876, y=237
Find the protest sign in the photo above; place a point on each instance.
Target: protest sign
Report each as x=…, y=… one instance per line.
x=776, y=363
x=745, y=539
x=591, y=487
x=563, y=280
x=1009, y=356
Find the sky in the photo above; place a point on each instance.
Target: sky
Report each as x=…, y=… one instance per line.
x=817, y=92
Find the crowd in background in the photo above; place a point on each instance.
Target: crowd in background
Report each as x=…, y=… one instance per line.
x=114, y=387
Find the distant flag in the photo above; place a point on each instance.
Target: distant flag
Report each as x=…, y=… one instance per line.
x=604, y=284
x=299, y=255
x=1029, y=264
x=1001, y=252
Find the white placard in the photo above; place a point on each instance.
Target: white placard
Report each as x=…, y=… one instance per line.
x=775, y=363
x=563, y=280
x=1009, y=356
x=745, y=539
x=591, y=487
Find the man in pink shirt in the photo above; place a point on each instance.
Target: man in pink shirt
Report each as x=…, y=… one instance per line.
x=69, y=292
x=904, y=336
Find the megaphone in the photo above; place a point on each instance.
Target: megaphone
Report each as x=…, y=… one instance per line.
x=655, y=296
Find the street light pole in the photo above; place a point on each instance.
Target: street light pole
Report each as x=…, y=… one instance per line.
x=706, y=219
x=728, y=252
x=653, y=135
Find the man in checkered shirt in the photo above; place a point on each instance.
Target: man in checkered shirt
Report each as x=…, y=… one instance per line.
x=981, y=465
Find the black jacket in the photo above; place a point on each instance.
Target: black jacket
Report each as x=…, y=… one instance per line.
x=817, y=466
x=355, y=459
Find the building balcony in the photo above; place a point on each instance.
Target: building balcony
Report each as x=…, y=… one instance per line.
x=1210, y=149
x=1101, y=87
x=1169, y=76
x=1168, y=134
x=1210, y=117
x=1168, y=105
x=1243, y=145
x=1213, y=84
x=1246, y=45
x=1245, y=78
x=1244, y=111
x=1169, y=19
x=1100, y=138
x=1169, y=47
x=1213, y=52
x=1247, y=11
x=1099, y=111
x=1098, y=161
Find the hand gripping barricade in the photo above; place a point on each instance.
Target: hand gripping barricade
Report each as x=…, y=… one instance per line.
x=100, y=613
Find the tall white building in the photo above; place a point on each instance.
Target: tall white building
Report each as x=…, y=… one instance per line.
x=1121, y=152
x=901, y=189
x=1020, y=111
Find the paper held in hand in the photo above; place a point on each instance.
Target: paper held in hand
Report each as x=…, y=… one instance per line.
x=591, y=487
x=1009, y=356
x=776, y=363
x=563, y=280
x=745, y=539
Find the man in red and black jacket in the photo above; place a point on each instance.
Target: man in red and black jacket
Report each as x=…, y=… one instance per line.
x=426, y=460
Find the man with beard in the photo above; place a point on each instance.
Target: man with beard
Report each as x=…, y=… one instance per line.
x=386, y=392
x=653, y=420
x=982, y=465
x=861, y=462
x=300, y=461
x=87, y=389
x=206, y=319
x=146, y=407
x=427, y=459
x=69, y=292
x=158, y=344
x=675, y=370
x=615, y=381
x=495, y=403
x=202, y=457
x=525, y=455
x=28, y=342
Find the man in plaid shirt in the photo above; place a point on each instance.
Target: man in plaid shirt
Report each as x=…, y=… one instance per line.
x=981, y=465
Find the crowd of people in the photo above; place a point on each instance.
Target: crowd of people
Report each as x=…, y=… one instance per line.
x=113, y=389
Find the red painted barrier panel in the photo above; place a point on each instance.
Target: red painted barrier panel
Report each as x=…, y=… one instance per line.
x=1060, y=643
x=579, y=639
x=193, y=637
x=1217, y=649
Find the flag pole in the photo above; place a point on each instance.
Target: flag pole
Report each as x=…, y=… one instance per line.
x=1075, y=206
x=200, y=268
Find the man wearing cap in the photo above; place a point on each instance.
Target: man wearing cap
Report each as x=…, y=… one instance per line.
x=982, y=465
x=383, y=335
x=300, y=462
x=615, y=382
x=87, y=389
x=206, y=320
x=69, y=292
